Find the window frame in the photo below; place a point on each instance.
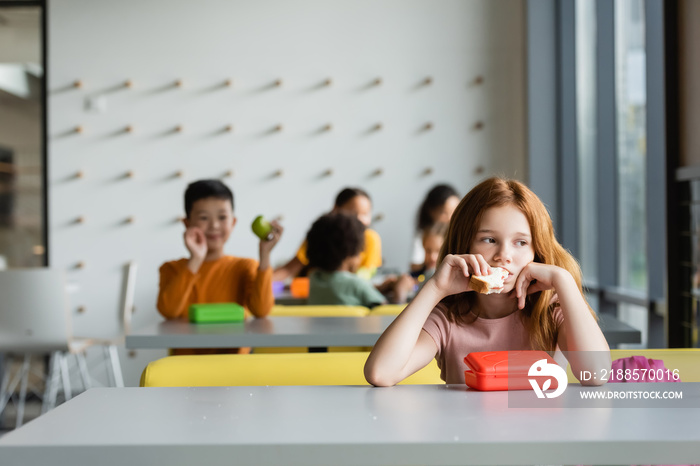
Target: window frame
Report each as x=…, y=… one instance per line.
x=553, y=136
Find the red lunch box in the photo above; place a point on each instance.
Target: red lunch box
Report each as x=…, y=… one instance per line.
x=502, y=370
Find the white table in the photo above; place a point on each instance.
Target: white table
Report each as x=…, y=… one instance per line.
x=344, y=425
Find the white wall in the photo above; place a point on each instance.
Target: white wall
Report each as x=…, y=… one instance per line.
x=302, y=42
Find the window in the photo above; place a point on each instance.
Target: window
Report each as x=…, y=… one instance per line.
x=22, y=172
x=630, y=86
x=586, y=134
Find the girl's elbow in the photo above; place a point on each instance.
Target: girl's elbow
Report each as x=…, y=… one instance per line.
x=377, y=378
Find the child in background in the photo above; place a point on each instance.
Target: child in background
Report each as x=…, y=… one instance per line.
x=500, y=223
x=432, y=240
x=357, y=202
x=401, y=289
x=334, y=246
x=208, y=275
x=437, y=207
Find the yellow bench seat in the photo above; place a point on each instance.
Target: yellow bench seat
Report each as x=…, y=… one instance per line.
x=268, y=369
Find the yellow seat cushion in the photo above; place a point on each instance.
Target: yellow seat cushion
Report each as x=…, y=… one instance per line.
x=686, y=360
x=268, y=369
x=280, y=310
x=387, y=309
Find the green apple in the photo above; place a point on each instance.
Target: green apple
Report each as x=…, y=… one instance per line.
x=262, y=228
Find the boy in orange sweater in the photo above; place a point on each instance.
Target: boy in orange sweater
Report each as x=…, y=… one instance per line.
x=210, y=276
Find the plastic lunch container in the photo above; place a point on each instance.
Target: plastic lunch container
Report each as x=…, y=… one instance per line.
x=205, y=313
x=502, y=370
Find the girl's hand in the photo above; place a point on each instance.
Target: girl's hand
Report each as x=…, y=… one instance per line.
x=454, y=273
x=536, y=277
x=196, y=242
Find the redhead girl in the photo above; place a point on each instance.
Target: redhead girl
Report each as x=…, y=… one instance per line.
x=500, y=223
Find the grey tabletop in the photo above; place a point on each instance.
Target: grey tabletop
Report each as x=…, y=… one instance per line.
x=343, y=425
x=271, y=331
x=301, y=331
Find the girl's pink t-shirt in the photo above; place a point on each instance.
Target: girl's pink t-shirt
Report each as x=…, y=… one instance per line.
x=455, y=341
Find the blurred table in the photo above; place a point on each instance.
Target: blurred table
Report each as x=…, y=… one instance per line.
x=270, y=331
x=617, y=332
x=301, y=331
x=286, y=298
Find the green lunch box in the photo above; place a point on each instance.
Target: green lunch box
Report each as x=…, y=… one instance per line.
x=206, y=313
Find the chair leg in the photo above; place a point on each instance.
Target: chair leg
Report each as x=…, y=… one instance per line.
x=4, y=397
x=110, y=374
x=65, y=375
x=116, y=366
x=84, y=375
x=23, y=391
x=51, y=389
x=9, y=388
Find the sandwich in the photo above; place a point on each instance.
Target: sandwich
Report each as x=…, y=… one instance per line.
x=488, y=284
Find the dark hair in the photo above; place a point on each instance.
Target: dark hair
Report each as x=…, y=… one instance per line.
x=348, y=194
x=435, y=198
x=333, y=238
x=203, y=189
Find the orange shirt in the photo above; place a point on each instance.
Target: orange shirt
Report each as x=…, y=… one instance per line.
x=225, y=280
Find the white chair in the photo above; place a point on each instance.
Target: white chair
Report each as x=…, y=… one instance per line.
x=34, y=320
x=109, y=346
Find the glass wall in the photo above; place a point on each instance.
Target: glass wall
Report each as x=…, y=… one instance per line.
x=611, y=131
x=630, y=87
x=630, y=67
x=586, y=134
x=22, y=207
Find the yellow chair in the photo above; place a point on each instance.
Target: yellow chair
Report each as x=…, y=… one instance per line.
x=268, y=369
x=686, y=360
x=387, y=309
x=280, y=310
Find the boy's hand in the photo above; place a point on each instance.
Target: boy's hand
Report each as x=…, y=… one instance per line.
x=267, y=245
x=196, y=243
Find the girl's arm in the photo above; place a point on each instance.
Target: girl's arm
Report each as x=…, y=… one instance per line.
x=580, y=336
x=404, y=347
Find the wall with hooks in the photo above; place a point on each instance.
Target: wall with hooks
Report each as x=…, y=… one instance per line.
x=286, y=101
